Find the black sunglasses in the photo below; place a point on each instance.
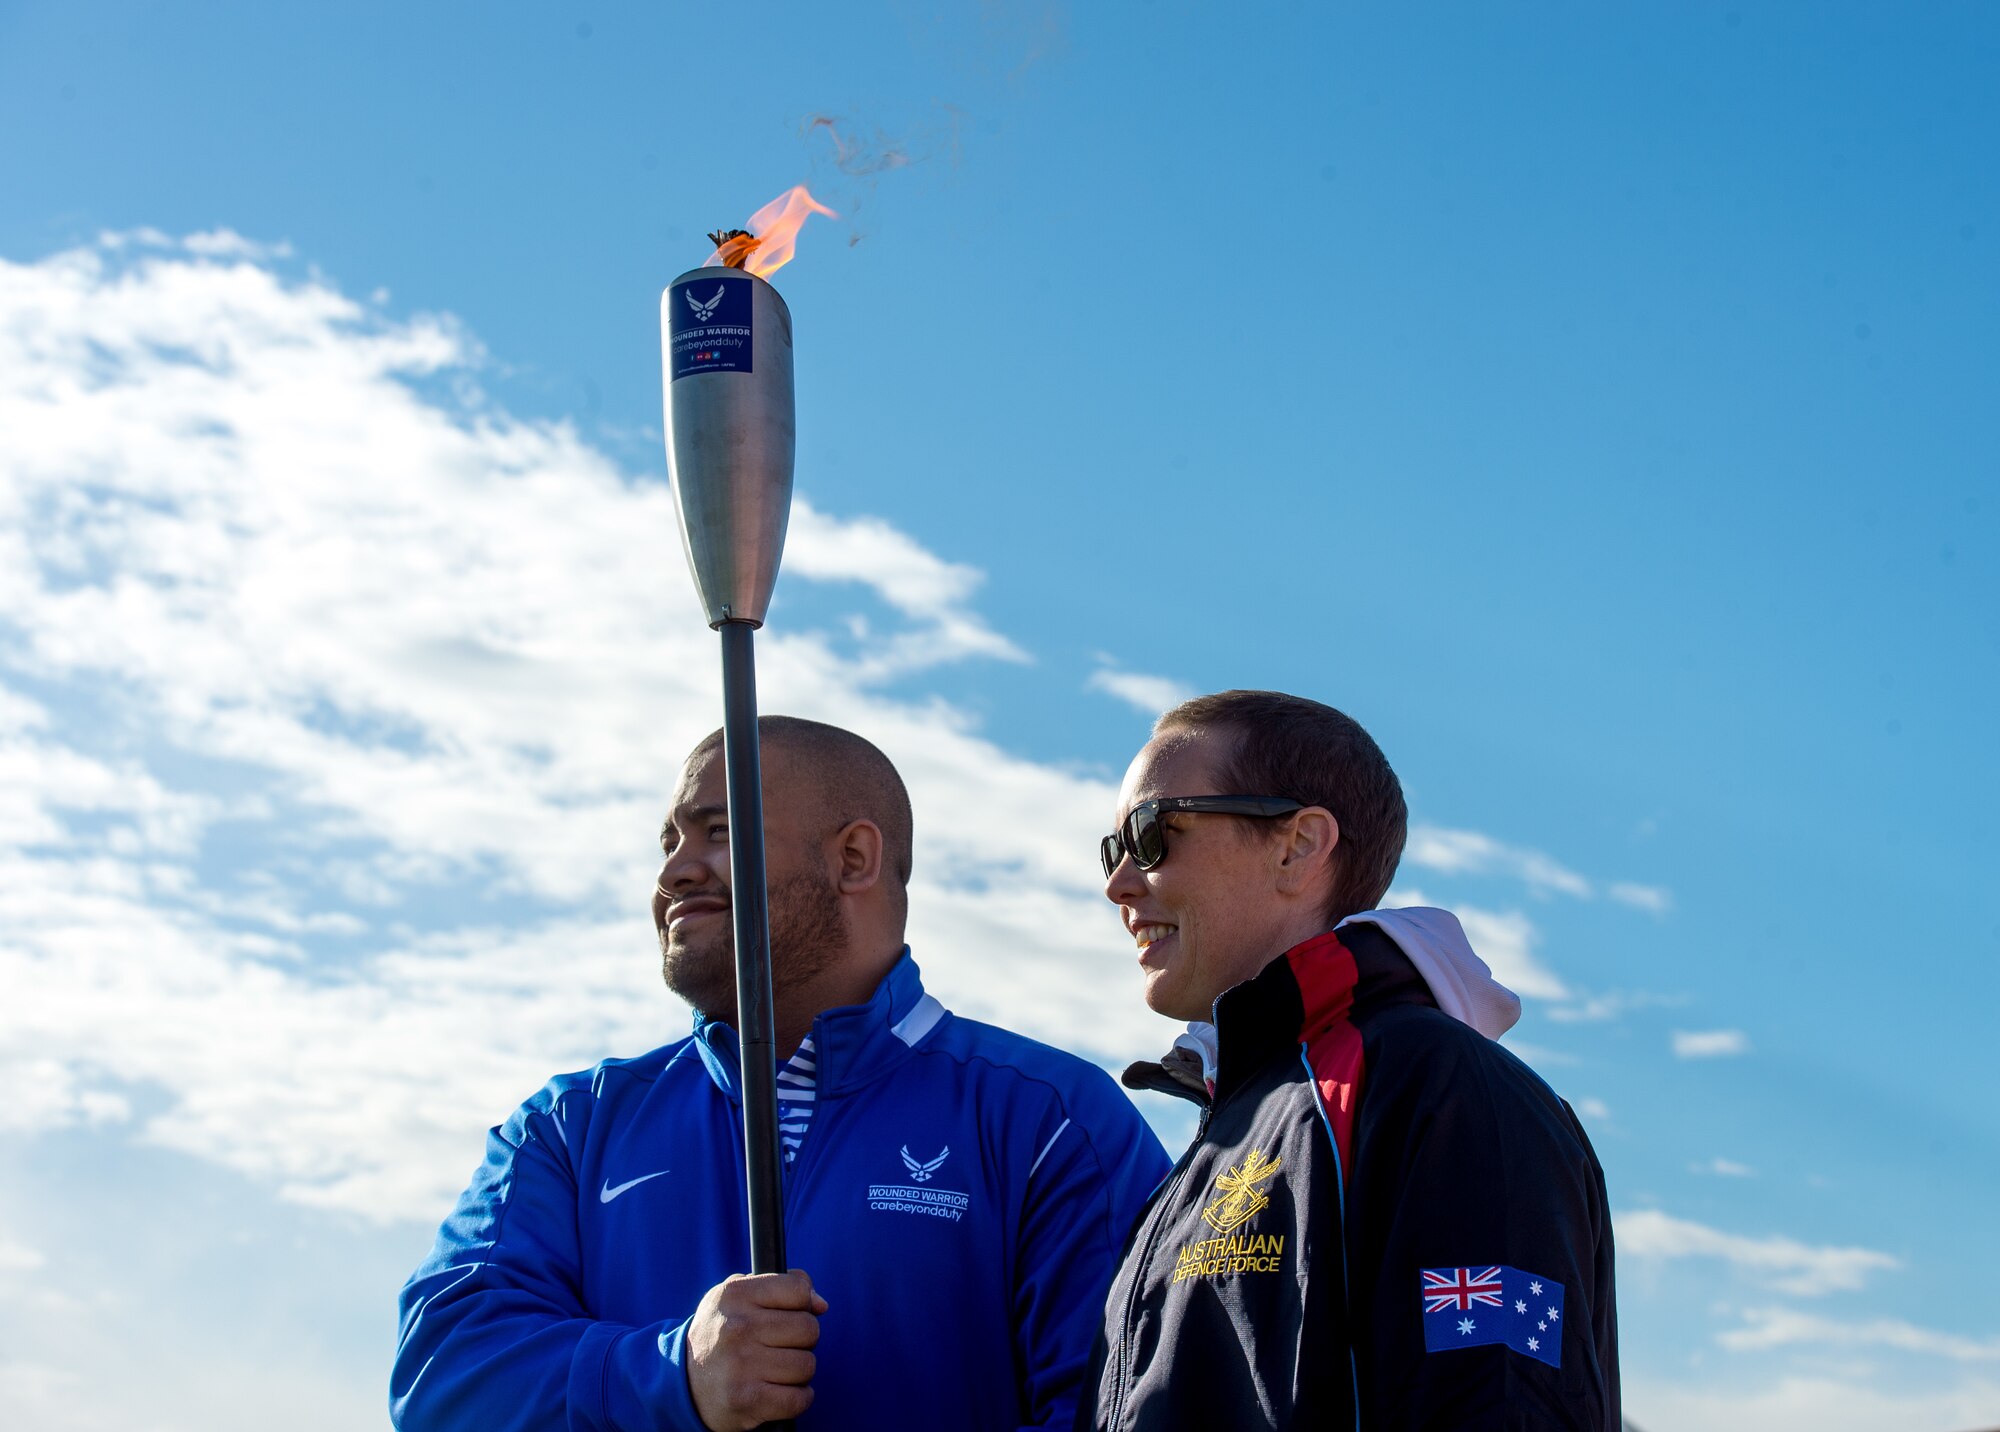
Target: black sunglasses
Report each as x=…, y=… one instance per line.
x=1144, y=839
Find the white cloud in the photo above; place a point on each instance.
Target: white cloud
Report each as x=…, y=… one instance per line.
x=1470, y=852
x=363, y=1092
x=176, y=1368
x=1467, y=852
x=113, y=240
x=1709, y=1043
x=425, y=672
x=1801, y=1269
x=1824, y=1404
x=1595, y=1110
x=1148, y=695
x=1505, y=939
x=1766, y=1328
x=1653, y=899
x=916, y=582
x=1541, y=1056
x=18, y=1258
x=46, y=1094
x=42, y=1392
x=1723, y=1168
x=439, y=647
x=228, y=244
x=390, y=604
x=1596, y=1008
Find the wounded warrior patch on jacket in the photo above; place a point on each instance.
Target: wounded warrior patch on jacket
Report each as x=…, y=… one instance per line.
x=1475, y=1307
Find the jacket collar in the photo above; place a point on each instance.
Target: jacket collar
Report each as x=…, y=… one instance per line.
x=1384, y=972
x=854, y=1044
x=1300, y=994
x=1290, y=999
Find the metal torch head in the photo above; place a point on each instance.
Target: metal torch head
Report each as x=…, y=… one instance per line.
x=731, y=434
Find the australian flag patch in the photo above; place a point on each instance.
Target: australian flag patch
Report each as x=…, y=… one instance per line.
x=1471, y=1307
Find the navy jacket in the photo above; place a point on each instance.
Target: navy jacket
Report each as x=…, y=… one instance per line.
x=962, y=1292
x=1387, y=1222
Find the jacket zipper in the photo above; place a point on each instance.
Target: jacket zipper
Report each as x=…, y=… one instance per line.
x=1160, y=1198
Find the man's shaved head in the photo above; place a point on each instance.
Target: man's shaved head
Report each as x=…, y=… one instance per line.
x=837, y=873
x=831, y=777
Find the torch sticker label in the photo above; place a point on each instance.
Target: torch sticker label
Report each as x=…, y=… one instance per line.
x=709, y=324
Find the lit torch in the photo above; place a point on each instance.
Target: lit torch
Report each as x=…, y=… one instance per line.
x=730, y=441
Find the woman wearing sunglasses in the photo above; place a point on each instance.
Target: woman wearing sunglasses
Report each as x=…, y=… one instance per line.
x=1385, y=1220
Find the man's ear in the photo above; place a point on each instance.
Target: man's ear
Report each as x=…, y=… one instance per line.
x=1305, y=856
x=856, y=856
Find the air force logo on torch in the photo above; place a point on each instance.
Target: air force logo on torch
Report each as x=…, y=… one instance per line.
x=704, y=311
x=916, y=1196
x=708, y=322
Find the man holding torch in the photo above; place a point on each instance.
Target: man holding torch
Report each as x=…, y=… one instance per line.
x=955, y=1195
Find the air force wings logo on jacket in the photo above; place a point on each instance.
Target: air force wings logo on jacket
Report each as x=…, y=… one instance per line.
x=919, y=1195
x=922, y=1172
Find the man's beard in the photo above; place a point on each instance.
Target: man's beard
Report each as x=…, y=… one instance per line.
x=807, y=936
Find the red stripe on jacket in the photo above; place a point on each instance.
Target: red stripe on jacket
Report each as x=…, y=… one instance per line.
x=1325, y=971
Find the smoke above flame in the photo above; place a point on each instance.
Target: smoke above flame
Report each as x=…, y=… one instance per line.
x=772, y=237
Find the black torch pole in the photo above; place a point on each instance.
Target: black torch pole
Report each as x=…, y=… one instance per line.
x=731, y=435
x=750, y=908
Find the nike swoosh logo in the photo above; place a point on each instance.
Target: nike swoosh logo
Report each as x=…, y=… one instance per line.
x=607, y=1193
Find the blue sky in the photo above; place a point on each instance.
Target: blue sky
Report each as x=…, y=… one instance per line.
x=1588, y=402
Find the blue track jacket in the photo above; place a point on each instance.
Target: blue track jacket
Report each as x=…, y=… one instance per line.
x=960, y=1200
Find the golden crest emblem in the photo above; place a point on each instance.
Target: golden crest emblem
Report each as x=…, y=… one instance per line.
x=1238, y=1196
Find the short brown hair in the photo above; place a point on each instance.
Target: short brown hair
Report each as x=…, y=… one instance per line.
x=1305, y=751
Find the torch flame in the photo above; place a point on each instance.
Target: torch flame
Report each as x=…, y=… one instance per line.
x=774, y=234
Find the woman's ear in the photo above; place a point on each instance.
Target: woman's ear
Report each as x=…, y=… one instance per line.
x=856, y=851
x=1305, y=858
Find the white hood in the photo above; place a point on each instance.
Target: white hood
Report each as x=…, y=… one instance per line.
x=1460, y=981
x=1435, y=942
